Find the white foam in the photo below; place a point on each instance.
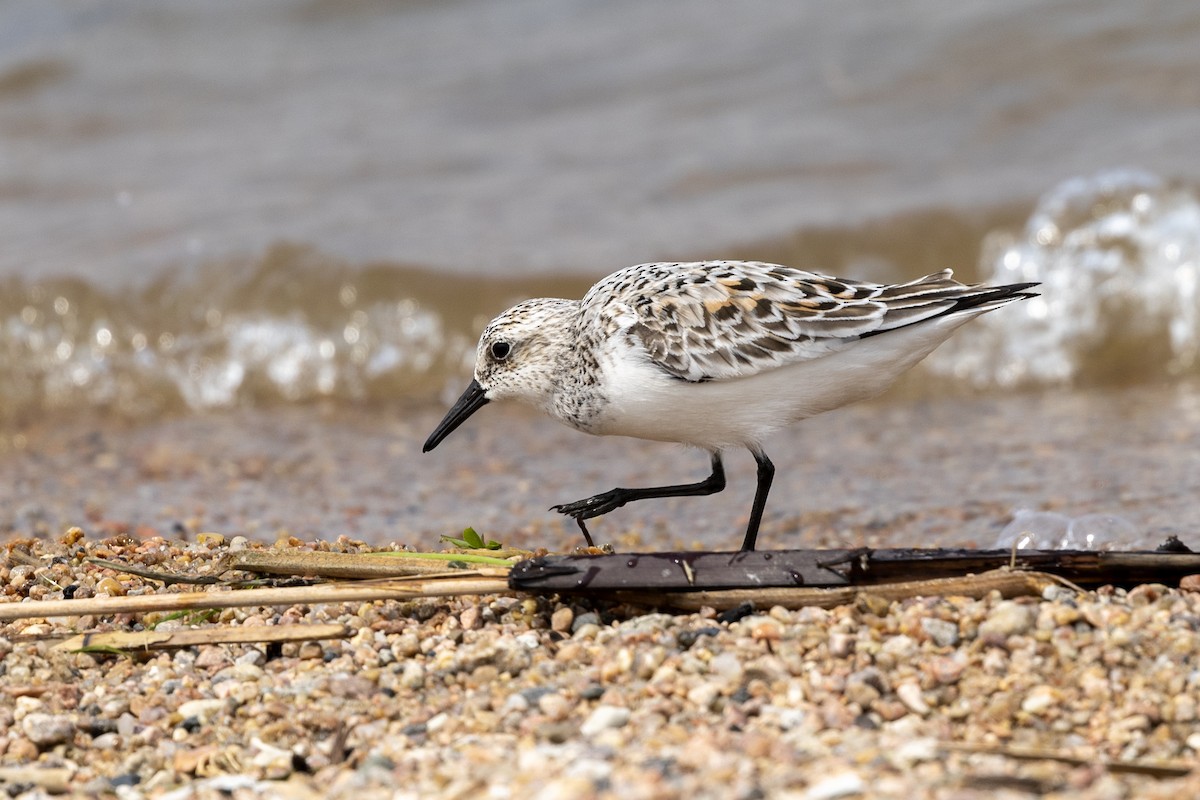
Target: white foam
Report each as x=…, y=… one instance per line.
x=1118, y=258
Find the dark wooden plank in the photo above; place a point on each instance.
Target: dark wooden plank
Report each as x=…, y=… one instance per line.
x=711, y=571
x=684, y=570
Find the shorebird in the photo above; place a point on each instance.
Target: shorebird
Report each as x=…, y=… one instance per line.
x=713, y=354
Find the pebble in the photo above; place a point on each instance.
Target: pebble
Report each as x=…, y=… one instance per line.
x=211, y=658
x=841, y=644
x=910, y=694
x=413, y=676
x=846, y=784
x=914, y=751
x=470, y=617
x=562, y=619
x=1041, y=699
x=1008, y=618
x=604, y=717
x=554, y=706
x=704, y=696
x=584, y=619
x=47, y=730
x=727, y=666
x=202, y=710
x=944, y=633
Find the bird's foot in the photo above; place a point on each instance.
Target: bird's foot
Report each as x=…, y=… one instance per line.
x=596, y=505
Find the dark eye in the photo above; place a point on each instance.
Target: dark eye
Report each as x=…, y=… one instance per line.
x=500, y=350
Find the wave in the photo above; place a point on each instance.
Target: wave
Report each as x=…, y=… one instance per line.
x=292, y=326
x=1118, y=258
x=1117, y=254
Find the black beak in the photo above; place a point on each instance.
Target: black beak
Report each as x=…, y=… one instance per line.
x=471, y=401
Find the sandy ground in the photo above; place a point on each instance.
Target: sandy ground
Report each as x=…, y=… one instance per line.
x=902, y=472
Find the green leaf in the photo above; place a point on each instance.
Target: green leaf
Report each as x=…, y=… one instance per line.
x=473, y=539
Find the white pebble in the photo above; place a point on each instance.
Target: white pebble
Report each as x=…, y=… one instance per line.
x=901, y=646
x=944, y=633
x=910, y=695
x=603, y=718
x=47, y=730
x=109, y=741
x=413, y=676
x=1006, y=619
x=201, y=709
x=704, y=695
x=728, y=666
x=516, y=702
x=914, y=751
x=841, y=644
x=1040, y=699
x=843, y=785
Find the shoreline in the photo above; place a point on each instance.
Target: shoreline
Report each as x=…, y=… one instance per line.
x=902, y=471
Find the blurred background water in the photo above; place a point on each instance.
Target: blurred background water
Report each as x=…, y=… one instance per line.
x=227, y=204
x=211, y=204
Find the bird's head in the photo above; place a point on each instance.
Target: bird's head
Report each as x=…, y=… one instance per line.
x=521, y=356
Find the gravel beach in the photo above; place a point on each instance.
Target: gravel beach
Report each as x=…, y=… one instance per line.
x=536, y=697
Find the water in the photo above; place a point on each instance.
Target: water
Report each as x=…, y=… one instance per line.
x=226, y=204
x=1118, y=258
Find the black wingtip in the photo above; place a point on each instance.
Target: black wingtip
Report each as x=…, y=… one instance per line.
x=1013, y=291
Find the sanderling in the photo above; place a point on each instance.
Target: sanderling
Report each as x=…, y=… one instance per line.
x=714, y=354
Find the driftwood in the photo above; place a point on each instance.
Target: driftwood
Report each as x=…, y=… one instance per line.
x=461, y=582
x=211, y=634
x=1142, y=766
x=682, y=580
x=55, y=780
x=355, y=565
x=1007, y=582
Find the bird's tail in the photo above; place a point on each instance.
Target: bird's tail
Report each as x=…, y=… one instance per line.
x=939, y=295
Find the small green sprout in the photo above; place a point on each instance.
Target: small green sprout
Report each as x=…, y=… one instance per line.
x=471, y=540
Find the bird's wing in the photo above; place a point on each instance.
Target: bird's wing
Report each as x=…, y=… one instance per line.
x=719, y=320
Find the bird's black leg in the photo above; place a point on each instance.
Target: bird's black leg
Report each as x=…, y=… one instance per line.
x=766, y=473
x=587, y=537
x=615, y=498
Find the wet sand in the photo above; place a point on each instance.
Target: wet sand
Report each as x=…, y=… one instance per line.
x=904, y=471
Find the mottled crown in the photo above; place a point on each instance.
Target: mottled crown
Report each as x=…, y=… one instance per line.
x=523, y=350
